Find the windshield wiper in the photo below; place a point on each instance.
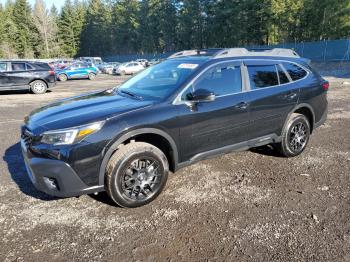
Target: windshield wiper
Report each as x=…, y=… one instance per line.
x=131, y=94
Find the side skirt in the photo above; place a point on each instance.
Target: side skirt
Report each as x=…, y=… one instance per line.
x=239, y=147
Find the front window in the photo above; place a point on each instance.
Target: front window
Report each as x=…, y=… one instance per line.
x=223, y=79
x=161, y=80
x=3, y=67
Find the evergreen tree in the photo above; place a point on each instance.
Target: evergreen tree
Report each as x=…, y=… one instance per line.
x=26, y=32
x=126, y=22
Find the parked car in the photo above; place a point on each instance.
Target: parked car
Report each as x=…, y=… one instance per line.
x=143, y=62
x=89, y=59
x=171, y=115
x=77, y=71
x=25, y=75
x=129, y=68
x=107, y=68
x=154, y=62
x=62, y=64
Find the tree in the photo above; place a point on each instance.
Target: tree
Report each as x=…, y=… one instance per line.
x=26, y=32
x=126, y=22
x=70, y=25
x=45, y=25
x=95, y=38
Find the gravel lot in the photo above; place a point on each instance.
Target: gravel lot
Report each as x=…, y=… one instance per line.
x=249, y=206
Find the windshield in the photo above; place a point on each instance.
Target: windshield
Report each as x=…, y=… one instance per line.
x=160, y=80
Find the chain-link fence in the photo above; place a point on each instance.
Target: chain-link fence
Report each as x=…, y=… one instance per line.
x=331, y=50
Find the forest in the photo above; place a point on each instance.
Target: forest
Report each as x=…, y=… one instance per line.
x=112, y=27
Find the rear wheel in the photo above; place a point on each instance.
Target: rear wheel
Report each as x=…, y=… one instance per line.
x=122, y=73
x=91, y=76
x=295, y=136
x=136, y=174
x=38, y=87
x=62, y=77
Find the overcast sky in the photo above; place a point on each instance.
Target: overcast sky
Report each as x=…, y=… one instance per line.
x=58, y=3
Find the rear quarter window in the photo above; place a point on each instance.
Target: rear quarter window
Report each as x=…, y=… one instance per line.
x=295, y=71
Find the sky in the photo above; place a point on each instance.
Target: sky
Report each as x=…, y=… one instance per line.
x=58, y=3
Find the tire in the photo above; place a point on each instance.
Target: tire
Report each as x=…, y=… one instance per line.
x=295, y=136
x=136, y=174
x=122, y=73
x=38, y=87
x=91, y=76
x=62, y=77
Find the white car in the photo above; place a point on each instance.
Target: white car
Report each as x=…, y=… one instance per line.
x=129, y=68
x=144, y=62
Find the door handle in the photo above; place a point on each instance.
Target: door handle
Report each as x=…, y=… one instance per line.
x=242, y=105
x=291, y=96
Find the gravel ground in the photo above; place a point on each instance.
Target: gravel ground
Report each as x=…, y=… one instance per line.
x=249, y=206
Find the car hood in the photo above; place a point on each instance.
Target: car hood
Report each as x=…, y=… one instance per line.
x=82, y=110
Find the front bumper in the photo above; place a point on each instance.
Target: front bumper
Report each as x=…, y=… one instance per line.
x=55, y=177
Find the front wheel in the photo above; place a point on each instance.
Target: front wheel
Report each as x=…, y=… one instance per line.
x=295, y=136
x=136, y=174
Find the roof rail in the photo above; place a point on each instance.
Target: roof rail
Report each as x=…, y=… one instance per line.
x=234, y=52
x=187, y=53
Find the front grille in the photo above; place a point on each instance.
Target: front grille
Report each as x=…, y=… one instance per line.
x=27, y=137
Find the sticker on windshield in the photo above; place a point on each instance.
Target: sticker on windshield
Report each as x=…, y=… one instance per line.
x=188, y=66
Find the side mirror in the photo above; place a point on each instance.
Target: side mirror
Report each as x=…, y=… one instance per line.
x=203, y=95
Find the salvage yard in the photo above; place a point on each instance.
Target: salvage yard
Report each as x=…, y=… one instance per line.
x=248, y=206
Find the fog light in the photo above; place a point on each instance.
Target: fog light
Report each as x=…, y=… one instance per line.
x=51, y=183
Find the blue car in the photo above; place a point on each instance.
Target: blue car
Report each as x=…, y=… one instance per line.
x=77, y=71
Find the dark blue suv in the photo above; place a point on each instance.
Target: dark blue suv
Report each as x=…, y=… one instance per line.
x=192, y=106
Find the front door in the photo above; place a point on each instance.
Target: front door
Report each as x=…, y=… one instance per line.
x=213, y=125
x=3, y=75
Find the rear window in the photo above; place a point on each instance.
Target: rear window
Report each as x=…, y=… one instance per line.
x=295, y=72
x=18, y=66
x=282, y=75
x=29, y=67
x=262, y=76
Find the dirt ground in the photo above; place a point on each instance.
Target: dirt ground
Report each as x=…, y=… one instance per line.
x=249, y=206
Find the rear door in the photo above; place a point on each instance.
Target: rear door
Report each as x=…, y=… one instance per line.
x=272, y=94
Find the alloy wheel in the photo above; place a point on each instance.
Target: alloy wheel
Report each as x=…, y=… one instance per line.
x=141, y=179
x=298, y=137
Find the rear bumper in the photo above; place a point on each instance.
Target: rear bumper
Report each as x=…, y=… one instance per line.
x=55, y=177
x=51, y=84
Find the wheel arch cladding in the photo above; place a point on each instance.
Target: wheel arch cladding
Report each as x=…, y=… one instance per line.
x=308, y=112
x=156, y=137
x=305, y=110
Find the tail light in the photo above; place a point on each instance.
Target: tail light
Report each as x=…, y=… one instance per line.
x=51, y=73
x=325, y=85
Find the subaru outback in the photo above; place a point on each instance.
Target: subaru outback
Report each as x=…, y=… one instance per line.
x=193, y=106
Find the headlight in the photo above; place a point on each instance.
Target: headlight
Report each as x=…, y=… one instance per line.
x=71, y=135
